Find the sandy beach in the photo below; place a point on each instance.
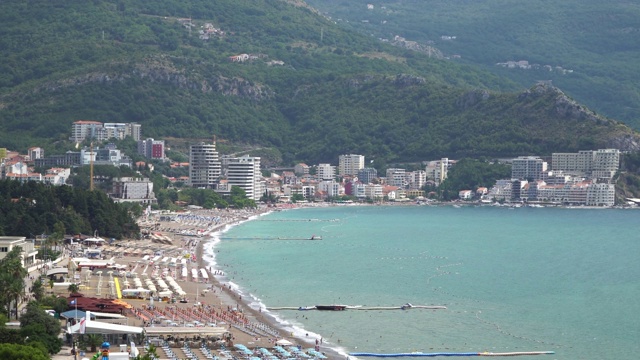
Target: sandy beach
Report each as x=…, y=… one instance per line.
x=259, y=330
x=173, y=250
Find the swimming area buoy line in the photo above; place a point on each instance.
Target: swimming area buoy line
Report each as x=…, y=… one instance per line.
x=420, y=354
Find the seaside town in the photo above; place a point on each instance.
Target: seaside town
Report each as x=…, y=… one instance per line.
x=129, y=294
x=570, y=179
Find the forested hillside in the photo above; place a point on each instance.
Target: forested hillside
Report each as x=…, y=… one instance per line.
x=589, y=45
x=307, y=86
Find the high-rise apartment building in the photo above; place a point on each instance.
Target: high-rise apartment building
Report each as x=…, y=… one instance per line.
x=605, y=163
x=437, y=170
x=245, y=173
x=204, y=166
x=528, y=168
x=85, y=129
x=602, y=163
x=350, y=164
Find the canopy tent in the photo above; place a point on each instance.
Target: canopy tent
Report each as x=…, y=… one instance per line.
x=57, y=271
x=107, y=315
x=94, y=240
x=74, y=314
x=204, y=274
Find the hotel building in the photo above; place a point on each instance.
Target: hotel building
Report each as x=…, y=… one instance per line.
x=204, y=166
x=350, y=164
x=245, y=173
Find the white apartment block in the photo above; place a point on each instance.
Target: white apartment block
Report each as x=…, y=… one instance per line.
x=416, y=179
x=245, y=173
x=373, y=192
x=396, y=177
x=602, y=163
x=28, y=255
x=204, y=165
x=437, y=170
x=359, y=190
x=500, y=191
x=528, y=167
x=120, y=131
x=57, y=176
x=326, y=172
x=307, y=191
x=582, y=193
x=601, y=195
x=350, y=164
x=331, y=187
x=605, y=163
x=85, y=129
x=35, y=153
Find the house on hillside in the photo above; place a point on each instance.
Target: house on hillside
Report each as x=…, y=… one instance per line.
x=239, y=58
x=465, y=194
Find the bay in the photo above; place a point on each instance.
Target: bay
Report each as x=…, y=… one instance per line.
x=527, y=279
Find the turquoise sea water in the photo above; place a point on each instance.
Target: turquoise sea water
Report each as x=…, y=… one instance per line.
x=527, y=279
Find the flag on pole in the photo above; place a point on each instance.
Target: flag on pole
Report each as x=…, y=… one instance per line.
x=83, y=326
x=73, y=302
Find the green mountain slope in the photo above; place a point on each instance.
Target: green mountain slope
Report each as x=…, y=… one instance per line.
x=309, y=88
x=596, y=40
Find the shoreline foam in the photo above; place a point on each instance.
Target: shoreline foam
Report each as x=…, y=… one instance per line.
x=235, y=294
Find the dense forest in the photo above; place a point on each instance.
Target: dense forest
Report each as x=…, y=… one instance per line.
x=590, y=46
x=309, y=88
x=29, y=209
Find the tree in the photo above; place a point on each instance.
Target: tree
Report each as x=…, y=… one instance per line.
x=39, y=326
x=21, y=352
x=150, y=355
x=59, y=304
x=12, y=275
x=73, y=288
x=92, y=341
x=35, y=315
x=37, y=289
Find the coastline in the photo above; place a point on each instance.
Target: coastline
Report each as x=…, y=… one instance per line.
x=226, y=294
x=229, y=295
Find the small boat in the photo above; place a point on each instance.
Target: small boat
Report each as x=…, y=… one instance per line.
x=315, y=237
x=331, y=307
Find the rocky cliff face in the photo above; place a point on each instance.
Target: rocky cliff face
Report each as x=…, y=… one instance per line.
x=164, y=72
x=625, y=139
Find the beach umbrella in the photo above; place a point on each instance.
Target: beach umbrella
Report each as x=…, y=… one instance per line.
x=284, y=342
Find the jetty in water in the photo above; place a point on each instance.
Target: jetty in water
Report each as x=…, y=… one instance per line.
x=362, y=307
x=313, y=237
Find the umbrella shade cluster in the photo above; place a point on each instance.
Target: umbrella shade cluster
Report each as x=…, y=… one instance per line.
x=245, y=350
